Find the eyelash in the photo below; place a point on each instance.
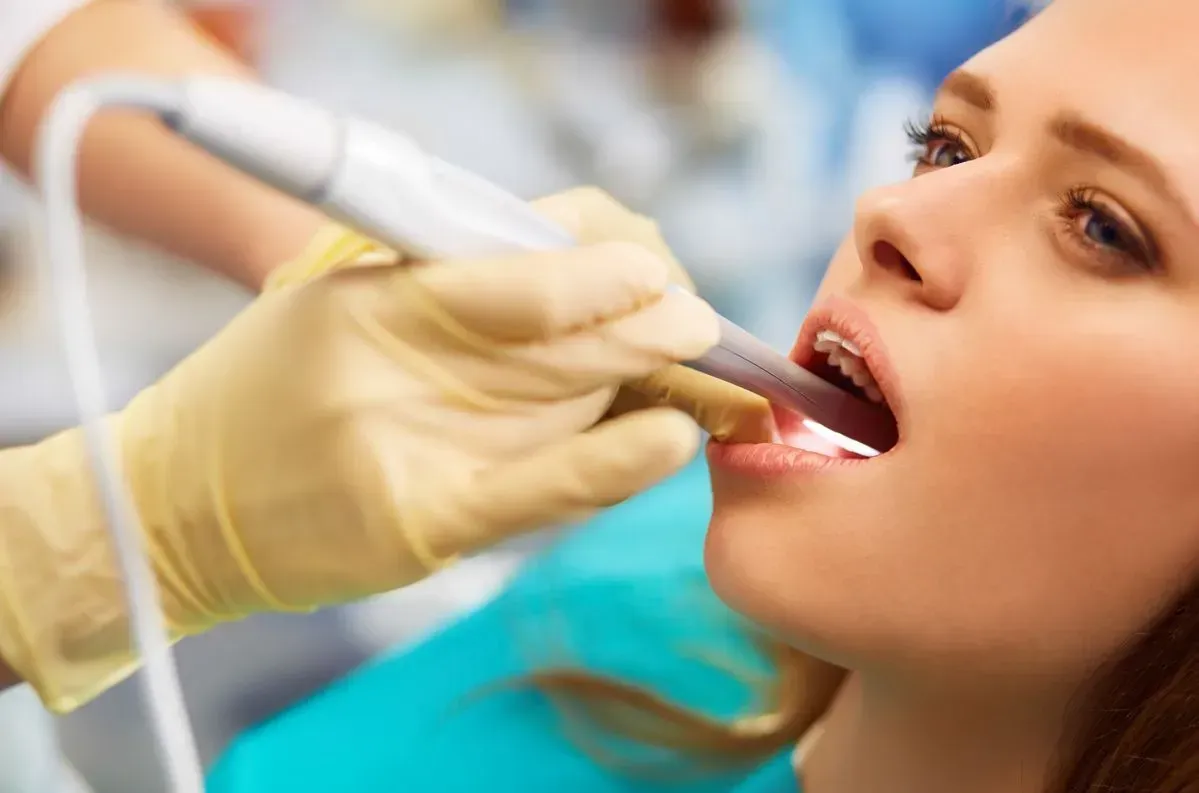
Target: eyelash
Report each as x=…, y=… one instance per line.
x=925, y=134
x=1078, y=207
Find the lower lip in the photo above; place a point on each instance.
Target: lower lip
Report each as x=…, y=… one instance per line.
x=777, y=459
x=770, y=459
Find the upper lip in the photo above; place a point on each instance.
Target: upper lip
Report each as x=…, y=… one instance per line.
x=852, y=324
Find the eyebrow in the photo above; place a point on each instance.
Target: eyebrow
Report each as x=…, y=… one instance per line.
x=970, y=88
x=1071, y=130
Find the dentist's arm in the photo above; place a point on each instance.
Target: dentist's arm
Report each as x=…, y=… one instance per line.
x=347, y=436
x=137, y=178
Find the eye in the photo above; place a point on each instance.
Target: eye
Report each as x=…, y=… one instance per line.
x=1105, y=232
x=937, y=145
x=1099, y=230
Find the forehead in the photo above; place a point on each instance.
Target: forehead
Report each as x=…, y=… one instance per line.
x=1126, y=65
x=1126, y=26
x=1103, y=53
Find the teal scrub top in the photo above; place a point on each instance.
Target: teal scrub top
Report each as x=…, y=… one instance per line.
x=623, y=595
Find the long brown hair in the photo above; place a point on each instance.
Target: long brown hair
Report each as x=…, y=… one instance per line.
x=802, y=689
x=1134, y=728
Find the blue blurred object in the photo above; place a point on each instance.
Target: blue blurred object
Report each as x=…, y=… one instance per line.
x=625, y=595
x=836, y=47
x=831, y=39
x=929, y=38
x=814, y=39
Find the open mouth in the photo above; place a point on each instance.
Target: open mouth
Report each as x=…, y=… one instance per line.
x=839, y=345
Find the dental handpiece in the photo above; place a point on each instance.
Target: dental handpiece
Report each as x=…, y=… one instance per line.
x=382, y=184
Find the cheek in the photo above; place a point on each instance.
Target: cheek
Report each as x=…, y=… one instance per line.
x=1051, y=485
x=1082, y=416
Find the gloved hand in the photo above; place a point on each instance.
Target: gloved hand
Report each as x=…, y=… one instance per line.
x=727, y=412
x=346, y=436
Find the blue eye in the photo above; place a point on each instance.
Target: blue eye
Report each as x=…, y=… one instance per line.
x=1098, y=229
x=1105, y=232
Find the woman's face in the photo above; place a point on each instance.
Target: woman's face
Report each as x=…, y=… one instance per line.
x=1034, y=290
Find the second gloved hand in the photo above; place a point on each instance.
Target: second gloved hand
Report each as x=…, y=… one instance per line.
x=346, y=436
x=728, y=412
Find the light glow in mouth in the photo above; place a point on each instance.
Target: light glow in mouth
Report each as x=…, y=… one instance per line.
x=842, y=441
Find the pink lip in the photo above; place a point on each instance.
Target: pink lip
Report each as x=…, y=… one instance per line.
x=767, y=460
x=772, y=459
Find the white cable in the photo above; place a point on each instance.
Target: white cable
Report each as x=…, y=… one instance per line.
x=57, y=156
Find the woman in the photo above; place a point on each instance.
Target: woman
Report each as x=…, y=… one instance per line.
x=1030, y=525
x=1011, y=590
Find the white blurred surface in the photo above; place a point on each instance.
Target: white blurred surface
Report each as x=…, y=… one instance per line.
x=29, y=759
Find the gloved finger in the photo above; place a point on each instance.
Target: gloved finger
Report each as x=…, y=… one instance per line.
x=533, y=297
x=678, y=327
x=727, y=412
x=566, y=481
x=593, y=216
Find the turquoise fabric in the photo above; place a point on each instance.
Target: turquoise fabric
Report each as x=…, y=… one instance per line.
x=623, y=595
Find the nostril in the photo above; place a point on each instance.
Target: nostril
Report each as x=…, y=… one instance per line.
x=888, y=257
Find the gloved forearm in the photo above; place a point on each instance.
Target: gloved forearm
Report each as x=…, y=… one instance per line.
x=63, y=623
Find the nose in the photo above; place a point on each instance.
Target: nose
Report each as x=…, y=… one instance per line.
x=908, y=237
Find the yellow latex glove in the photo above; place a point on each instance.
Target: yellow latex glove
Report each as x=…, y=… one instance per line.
x=346, y=436
x=727, y=412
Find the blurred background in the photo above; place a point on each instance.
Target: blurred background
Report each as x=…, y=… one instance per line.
x=746, y=127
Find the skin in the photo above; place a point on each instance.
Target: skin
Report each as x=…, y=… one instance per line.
x=1042, y=505
x=136, y=177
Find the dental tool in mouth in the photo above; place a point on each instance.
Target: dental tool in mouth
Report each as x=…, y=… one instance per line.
x=384, y=185
x=861, y=425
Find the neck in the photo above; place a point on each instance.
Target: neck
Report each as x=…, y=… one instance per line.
x=886, y=737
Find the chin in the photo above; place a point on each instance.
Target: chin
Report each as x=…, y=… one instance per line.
x=796, y=557
x=757, y=560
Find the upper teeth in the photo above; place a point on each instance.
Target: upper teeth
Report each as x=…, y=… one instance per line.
x=847, y=357
x=827, y=341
